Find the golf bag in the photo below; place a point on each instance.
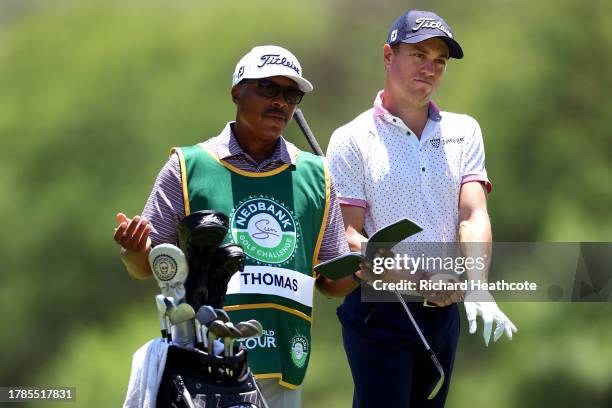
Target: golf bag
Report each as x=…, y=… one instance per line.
x=194, y=376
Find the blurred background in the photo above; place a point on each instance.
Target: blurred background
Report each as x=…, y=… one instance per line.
x=94, y=93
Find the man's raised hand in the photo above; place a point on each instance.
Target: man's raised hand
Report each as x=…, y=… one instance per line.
x=133, y=234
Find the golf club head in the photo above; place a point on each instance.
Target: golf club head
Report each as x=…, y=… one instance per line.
x=206, y=315
x=435, y=388
x=181, y=313
x=169, y=266
x=256, y=324
x=248, y=330
x=218, y=329
x=233, y=331
x=222, y=315
x=228, y=342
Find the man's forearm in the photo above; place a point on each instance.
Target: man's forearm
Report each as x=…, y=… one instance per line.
x=475, y=238
x=339, y=288
x=136, y=263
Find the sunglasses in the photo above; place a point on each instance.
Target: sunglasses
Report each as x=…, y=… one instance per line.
x=271, y=89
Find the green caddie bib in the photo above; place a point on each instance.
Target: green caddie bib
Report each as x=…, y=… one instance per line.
x=278, y=217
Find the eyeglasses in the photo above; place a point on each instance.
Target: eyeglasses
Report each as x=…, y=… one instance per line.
x=271, y=89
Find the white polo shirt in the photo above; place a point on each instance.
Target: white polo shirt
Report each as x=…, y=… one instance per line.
x=378, y=163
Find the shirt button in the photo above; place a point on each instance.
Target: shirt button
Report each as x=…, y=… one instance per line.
x=422, y=168
x=408, y=133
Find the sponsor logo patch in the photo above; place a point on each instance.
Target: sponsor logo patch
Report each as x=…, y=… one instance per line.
x=165, y=266
x=266, y=229
x=299, y=350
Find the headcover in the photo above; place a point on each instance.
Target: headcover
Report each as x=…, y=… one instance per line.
x=202, y=230
x=200, y=234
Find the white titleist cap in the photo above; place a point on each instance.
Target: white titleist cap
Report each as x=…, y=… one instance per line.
x=268, y=61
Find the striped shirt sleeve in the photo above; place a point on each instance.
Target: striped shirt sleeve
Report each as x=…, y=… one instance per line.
x=334, y=239
x=165, y=208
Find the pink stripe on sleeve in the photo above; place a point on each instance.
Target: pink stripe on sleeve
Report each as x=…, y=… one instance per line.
x=355, y=202
x=480, y=178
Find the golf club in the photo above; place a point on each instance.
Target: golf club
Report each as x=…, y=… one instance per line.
x=198, y=333
x=432, y=355
x=310, y=138
x=248, y=330
x=161, y=312
x=222, y=315
x=180, y=317
x=228, y=342
x=179, y=314
x=256, y=324
x=205, y=316
x=216, y=329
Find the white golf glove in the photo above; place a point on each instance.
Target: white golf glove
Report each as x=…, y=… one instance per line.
x=490, y=312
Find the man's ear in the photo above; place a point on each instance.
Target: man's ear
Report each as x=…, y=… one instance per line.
x=387, y=55
x=235, y=93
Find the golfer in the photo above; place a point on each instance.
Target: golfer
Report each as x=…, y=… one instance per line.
x=404, y=158
x=283, y=211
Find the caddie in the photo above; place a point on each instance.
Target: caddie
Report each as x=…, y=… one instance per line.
x=283, y=210
x=405, y=158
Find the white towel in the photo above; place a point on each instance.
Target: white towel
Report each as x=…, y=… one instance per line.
x=148, y=366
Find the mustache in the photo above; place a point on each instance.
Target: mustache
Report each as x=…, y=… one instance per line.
x=276, y=111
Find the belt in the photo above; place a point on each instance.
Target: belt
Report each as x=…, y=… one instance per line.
x=419, y=299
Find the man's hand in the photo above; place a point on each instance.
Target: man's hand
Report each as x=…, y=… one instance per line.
x=133, y=235
x=482, y=304
x=443, y=297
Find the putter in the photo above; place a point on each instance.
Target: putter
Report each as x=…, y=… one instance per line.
x=161, y=312
x=436, y=388
x=170, y=268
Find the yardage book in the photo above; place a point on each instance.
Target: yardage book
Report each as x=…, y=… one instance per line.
x=346, y=264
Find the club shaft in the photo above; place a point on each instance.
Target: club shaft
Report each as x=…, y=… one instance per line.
x=310, y=138
x=414, y=323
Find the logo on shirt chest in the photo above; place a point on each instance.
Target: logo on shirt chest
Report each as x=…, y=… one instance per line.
x=437, y=142
x=266, y=230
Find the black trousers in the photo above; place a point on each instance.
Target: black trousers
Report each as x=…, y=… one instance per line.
x=389, y=364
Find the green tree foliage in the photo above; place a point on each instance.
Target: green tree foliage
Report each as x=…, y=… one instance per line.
x=92, y=95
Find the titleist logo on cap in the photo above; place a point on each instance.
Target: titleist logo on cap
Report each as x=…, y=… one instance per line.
x=431, y=23
x=275, y=59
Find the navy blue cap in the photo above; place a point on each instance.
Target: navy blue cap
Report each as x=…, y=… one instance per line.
x=416, y=26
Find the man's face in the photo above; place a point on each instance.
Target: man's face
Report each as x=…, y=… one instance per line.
x=414, y=71
x=264, y=117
